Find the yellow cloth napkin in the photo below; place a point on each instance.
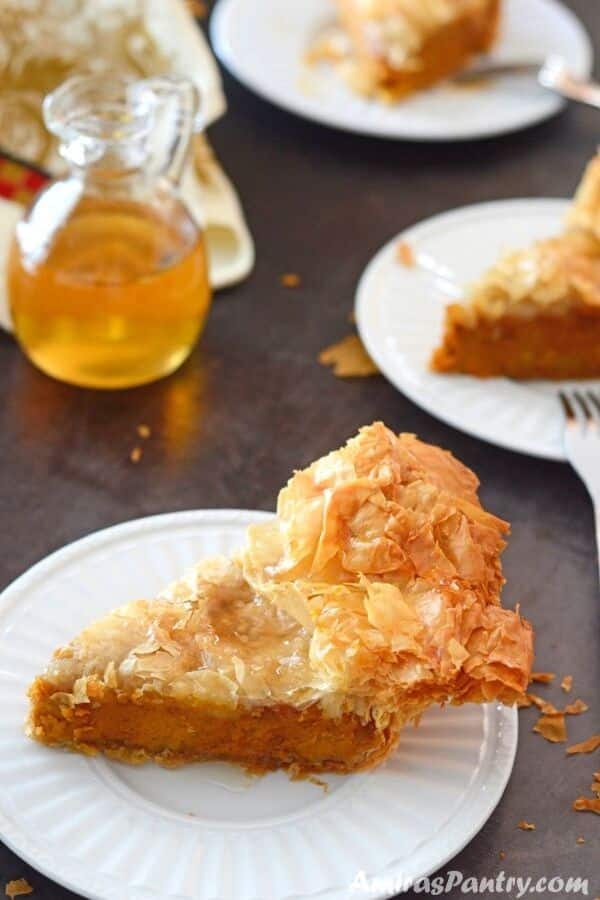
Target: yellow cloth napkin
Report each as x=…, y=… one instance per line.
x=180, y=44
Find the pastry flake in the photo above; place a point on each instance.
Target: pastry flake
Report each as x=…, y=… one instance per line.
x=576, y=708
x=543, y=677
x=567, y=683
x=348, y=358
x=552, y=726
x=587, y=804
x=20, y=887
x=588, y=746
x=405, y=254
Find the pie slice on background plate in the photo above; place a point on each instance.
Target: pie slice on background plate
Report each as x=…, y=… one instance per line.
x=402, y=46
x=536, y=313
x=373, y=594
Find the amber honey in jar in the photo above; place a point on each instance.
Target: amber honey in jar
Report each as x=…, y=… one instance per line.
x=107, y=273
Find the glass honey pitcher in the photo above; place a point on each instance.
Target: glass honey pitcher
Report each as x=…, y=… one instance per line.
x=107, y=273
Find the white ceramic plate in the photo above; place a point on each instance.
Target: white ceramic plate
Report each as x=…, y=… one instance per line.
x=400, y=311
x=208, y=832
x=264, y=44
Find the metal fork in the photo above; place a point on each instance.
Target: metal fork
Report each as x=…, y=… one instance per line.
x=582, y=442
x=551, y=73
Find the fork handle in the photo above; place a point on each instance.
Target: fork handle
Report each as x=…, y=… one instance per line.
x=573, y=88
x=597, y=525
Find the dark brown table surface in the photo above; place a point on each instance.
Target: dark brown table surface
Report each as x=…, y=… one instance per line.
x=253, y=403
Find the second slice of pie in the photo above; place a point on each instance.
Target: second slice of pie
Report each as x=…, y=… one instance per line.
x=402, y=46
x=372, y=594
x=536, y=313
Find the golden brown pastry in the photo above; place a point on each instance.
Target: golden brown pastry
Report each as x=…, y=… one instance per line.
x=536, y=313
x=402, y=46
x=374, y=593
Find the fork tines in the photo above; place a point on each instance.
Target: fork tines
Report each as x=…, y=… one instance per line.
x=581, y=406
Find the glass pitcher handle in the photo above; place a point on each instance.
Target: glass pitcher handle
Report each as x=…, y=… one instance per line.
x=185, y=103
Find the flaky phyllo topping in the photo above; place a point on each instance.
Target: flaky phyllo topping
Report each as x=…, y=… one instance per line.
x=376, y=590
x=553, y=275
x=585, y=211
x=398, y=29
x=384, y=554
